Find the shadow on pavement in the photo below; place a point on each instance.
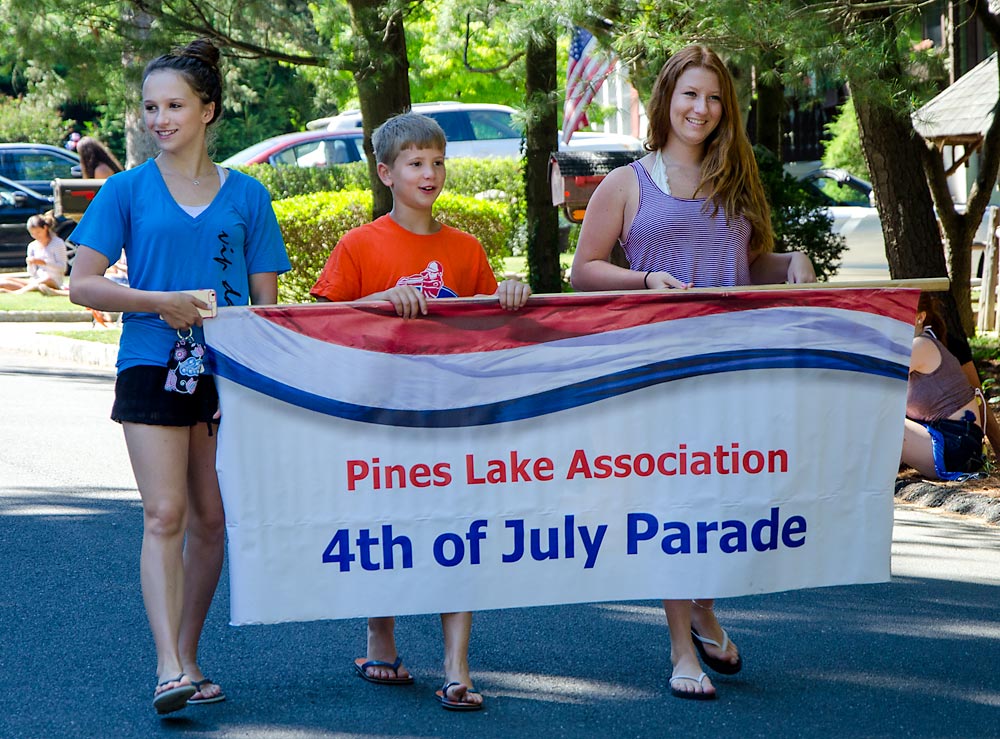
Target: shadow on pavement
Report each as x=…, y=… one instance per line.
x=913, y=657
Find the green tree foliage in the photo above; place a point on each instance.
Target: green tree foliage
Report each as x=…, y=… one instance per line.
x=30, y=119
x=800, y=221
x=843, y=149
x=263, y=98
x=462, y=52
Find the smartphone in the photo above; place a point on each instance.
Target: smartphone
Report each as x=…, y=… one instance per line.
x=207, y=297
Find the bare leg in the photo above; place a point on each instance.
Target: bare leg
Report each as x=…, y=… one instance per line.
x=203, y=551
x=10, y=284
x=917, y=449
x=456, y=628
x=382, y=647
x=683, y=656
x=703, y=619
x=159, y=461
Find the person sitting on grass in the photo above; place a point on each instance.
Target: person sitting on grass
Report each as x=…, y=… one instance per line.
x=46, y=260
x=943, y=439
x=407, y=257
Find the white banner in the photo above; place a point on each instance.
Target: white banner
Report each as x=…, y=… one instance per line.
x=585, y=448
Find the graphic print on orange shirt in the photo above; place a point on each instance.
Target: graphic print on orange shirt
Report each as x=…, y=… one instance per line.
x=430, y=281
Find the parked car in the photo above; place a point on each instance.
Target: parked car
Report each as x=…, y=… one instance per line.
x=303, y=149
x=485, y=130
x=850, y=201
x=17, y=204
x=36, y=165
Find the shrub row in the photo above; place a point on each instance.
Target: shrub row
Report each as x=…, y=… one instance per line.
x=465, y=177
x=313, y=224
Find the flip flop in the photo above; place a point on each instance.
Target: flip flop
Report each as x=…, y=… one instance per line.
x=450, y=705
x=175, y=699
x=723, y=667
x=192, y=701
x=690, y=695
x=361, y=666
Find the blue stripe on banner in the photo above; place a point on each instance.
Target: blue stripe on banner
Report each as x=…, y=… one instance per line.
x=570, y=396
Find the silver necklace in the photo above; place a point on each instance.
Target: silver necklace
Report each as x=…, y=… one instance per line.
x=196, y=181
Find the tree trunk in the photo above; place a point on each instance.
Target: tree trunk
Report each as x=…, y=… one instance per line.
x=770, y=104
x=542, y=135
x=381, y=73
x=139, y=145
x=893, y=152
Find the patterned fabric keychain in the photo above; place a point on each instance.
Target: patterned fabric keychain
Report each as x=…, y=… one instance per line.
x=185, y=364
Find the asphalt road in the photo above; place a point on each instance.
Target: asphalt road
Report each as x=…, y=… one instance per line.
x=915, y=657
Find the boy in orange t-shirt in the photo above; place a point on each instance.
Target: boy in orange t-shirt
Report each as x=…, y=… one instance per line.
x=407, y=258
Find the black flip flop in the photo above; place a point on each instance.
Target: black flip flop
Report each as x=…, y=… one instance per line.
x=450, y=705
x=361, y=666
x=723, y=667
x=174, y=699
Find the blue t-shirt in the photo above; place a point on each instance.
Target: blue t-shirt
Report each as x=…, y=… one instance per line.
x=167, y=249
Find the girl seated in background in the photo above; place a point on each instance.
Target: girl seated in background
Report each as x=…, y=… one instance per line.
x=46, y=260
x=943, y=439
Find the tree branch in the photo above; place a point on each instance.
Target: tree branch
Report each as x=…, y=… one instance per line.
x=207, y=30
x=465, y=53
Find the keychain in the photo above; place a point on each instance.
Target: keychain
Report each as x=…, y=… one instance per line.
x=185, y=364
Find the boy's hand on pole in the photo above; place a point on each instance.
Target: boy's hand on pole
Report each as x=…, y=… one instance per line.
x=407, y=300
x=513, y=294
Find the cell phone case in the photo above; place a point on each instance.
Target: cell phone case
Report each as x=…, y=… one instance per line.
x=207, y=297
x=185, y=364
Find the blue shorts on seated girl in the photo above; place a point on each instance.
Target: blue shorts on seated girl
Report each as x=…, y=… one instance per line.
x=957, y=446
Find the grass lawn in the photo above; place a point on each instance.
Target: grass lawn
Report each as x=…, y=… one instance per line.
x=100, y=335
x=519, y=265
x=37, y=301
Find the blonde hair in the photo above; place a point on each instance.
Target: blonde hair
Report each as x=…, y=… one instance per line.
x=404, y=131
x=42, y=220
x=729, y=168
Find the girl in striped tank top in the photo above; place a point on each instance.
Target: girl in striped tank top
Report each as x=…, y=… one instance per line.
x=691, y=213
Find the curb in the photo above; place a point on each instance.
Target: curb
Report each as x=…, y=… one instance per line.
x=52, y=316
x=954, y=500
x=28, y=337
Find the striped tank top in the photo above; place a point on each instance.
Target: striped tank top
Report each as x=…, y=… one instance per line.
x=677, y=236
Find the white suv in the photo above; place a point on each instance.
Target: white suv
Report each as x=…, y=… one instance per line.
x=485, y=130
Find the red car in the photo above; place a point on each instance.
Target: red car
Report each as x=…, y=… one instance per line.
x=302, y=149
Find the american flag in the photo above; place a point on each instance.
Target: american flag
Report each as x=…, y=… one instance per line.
x=588, y=67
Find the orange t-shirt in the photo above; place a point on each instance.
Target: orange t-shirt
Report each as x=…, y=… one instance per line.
x=383, y=254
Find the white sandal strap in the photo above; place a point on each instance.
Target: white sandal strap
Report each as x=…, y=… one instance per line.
x=698, y=679
x=705, y=640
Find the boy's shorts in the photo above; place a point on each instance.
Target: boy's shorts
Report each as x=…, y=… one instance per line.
x=140, y=398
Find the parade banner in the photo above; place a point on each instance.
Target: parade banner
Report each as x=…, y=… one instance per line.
x=586, y=448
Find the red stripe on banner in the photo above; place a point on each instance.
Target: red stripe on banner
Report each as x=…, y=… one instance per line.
x=453, y=324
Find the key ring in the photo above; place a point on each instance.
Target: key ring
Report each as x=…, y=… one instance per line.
x=182, y=337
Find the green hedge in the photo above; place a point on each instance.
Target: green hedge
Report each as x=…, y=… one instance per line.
x=465, y=177
x=313, y=224
x=286, y=181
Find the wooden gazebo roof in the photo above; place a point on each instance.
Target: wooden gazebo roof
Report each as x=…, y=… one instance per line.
x=961, y=114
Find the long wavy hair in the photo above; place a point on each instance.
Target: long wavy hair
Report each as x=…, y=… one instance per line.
x=728, y=169
x=92, y=152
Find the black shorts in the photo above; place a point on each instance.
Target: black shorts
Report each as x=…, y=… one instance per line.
x=140, y=398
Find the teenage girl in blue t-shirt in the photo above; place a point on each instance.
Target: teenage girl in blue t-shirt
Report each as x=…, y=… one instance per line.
x=184, y=223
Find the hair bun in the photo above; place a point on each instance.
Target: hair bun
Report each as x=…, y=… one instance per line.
x=203, y=50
